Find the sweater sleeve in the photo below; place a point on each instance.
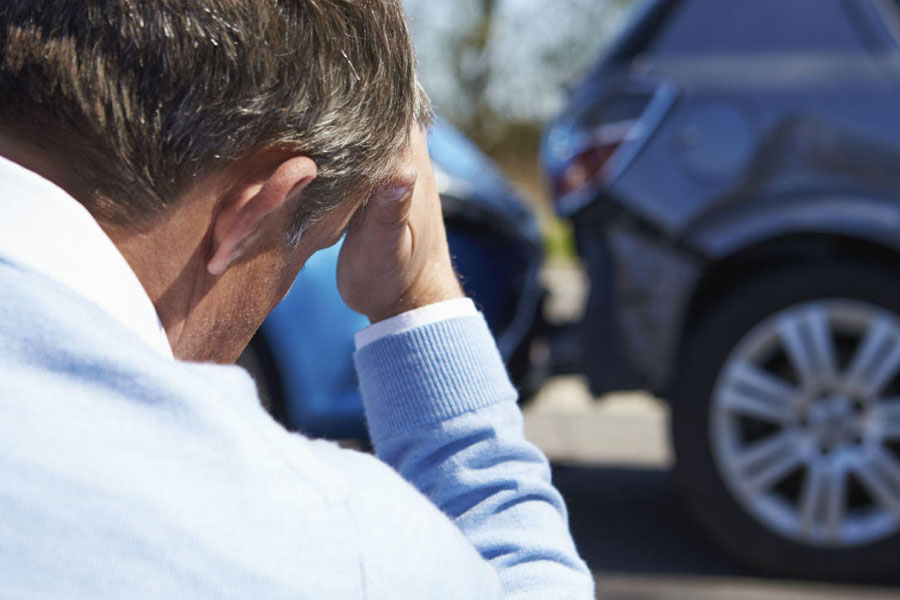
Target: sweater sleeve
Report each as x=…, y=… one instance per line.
x=442, y=412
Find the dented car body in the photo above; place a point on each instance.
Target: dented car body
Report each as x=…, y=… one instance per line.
x=733, y=145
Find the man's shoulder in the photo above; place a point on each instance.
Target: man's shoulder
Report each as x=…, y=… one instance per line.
x=120, y=462
x=51, y=335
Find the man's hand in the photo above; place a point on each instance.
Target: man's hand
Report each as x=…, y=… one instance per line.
x=395, y=257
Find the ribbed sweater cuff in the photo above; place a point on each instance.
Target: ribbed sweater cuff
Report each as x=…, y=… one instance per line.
x=426, y=375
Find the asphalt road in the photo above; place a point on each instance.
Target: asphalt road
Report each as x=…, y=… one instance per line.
x=636, y=539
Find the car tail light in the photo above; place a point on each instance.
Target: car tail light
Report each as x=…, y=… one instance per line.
x=588, y=163
x=587, y=149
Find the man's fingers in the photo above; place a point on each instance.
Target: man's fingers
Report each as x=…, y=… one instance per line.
x=395, y=255
x=379, y=238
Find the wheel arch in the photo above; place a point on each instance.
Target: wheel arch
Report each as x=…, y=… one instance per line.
x=747, y=251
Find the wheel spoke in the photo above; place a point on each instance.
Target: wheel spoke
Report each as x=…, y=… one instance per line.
x=823, y=503
x=877, y=359
x=881, y=477
x=807, y=337
x=753, y=392
x=766, y=462
x=887, y=414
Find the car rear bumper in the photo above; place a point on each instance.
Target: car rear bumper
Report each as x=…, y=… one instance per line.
x=640, y=290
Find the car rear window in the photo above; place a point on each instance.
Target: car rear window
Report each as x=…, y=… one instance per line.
x=758, y=27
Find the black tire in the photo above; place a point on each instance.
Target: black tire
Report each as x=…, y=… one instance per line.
x=701, y=485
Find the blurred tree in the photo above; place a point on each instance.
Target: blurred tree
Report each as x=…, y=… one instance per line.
x=498, y=68
x=471, y=65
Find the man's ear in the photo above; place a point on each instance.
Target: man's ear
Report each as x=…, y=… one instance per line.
x=240, y=216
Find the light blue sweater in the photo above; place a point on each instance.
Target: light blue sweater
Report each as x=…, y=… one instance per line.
x=124, y=474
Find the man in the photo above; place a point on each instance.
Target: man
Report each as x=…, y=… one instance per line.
x=167, y=167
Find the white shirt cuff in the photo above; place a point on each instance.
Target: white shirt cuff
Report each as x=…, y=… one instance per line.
x=419, y=317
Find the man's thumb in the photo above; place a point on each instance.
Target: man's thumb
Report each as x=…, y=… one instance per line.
x=390, y=207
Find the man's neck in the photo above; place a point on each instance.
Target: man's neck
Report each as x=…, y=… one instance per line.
x=167, y=258
x=37, y=162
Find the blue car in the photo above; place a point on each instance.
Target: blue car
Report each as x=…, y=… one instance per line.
x=302, y=355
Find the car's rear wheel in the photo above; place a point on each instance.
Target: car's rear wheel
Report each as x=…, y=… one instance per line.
x=786, y=421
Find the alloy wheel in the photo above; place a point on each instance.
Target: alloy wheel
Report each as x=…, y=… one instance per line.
x=805, y=423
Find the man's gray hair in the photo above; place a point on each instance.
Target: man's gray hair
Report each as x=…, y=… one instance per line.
x=139, y=99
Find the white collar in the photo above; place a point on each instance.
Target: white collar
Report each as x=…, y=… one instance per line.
x=44, y=229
